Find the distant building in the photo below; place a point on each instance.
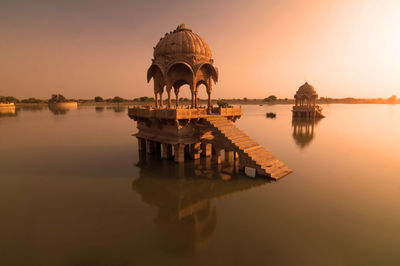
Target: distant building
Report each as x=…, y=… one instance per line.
x=305, y=103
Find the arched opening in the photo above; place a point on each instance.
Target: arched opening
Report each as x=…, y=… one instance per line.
x=202, y=95
x=180, y=74
x=205, y=74
x=156, y=73
x=303, y=100
x=184, y=94
x=314, y=100
x=206, y=71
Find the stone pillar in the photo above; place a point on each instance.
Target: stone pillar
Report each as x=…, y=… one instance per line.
x=209, y=108
x=150, y=147
x=209, y=89
x=195, y=150
x=177, y=98
x=235, y=155
x=179, y=150
x=161, y=100
x=166, y=152
x=208, y=163
x=218, y=155
x=156, y=99
x=169, y=98
x=206, y=149
x=193, y=96
x=141, y=144
x=228, y=156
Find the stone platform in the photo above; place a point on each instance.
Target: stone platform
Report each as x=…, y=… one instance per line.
x=181, y=113
x=307, y=111
x=188, y=133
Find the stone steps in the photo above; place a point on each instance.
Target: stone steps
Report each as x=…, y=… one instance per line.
x=252, y=153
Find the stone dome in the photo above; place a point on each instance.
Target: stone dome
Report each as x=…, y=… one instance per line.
x=182, y=42
x=306, y=89
x=182, y=57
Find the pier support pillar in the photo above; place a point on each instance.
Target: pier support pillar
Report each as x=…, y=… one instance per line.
x=195, y=151
x=150, y=146
x=166, y=152
x=206, y=149
x=228, y=156
x=208, y=163
x=141, y=144
x=218, y=155
x=179, y=150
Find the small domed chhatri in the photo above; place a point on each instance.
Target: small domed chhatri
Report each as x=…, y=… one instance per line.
x=305, y=102
x=181, y=57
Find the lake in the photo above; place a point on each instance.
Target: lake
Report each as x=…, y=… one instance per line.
x=75, y=191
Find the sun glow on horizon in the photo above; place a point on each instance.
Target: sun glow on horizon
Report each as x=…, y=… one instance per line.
x=344, y=48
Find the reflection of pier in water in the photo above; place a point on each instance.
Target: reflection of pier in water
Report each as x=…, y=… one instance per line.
x=182, y=194
x=304, y=130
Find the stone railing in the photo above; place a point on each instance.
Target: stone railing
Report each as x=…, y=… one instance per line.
x=307, y=108
x=179, y=113
x=229, y=111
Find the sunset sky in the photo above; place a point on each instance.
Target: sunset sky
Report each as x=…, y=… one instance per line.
x=345, y=48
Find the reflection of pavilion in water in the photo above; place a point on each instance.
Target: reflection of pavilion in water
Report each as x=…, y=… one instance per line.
x=304, y=130
x=182, y=194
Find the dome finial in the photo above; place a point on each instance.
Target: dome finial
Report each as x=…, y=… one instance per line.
x=182, y=27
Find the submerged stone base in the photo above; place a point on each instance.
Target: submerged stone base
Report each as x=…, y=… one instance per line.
x=191, y=133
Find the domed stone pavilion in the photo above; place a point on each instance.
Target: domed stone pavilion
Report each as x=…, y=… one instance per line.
x=305, y=102
x=182, y=57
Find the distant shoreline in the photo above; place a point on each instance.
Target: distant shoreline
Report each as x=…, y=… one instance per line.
x=204, y=102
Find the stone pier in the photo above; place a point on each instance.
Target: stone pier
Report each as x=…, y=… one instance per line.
x=183, y=58
x=191, y=133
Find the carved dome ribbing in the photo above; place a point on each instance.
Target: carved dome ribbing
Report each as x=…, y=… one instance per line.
x=182, y=42
x=182, y=57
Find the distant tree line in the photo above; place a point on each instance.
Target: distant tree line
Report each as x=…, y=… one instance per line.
x=118, y=99
x=271, y=98
x=8, y=99
x=223, y=103
x=144, y=99
x=391, y=100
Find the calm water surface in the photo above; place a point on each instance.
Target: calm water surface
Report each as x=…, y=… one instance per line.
x=75, y=191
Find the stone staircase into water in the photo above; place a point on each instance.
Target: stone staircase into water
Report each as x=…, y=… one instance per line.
x=251, y=154
x=318, y=114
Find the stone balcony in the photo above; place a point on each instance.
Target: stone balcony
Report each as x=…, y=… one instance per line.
x=181, y=113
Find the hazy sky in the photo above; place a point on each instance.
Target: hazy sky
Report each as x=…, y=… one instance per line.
x=85, y=48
